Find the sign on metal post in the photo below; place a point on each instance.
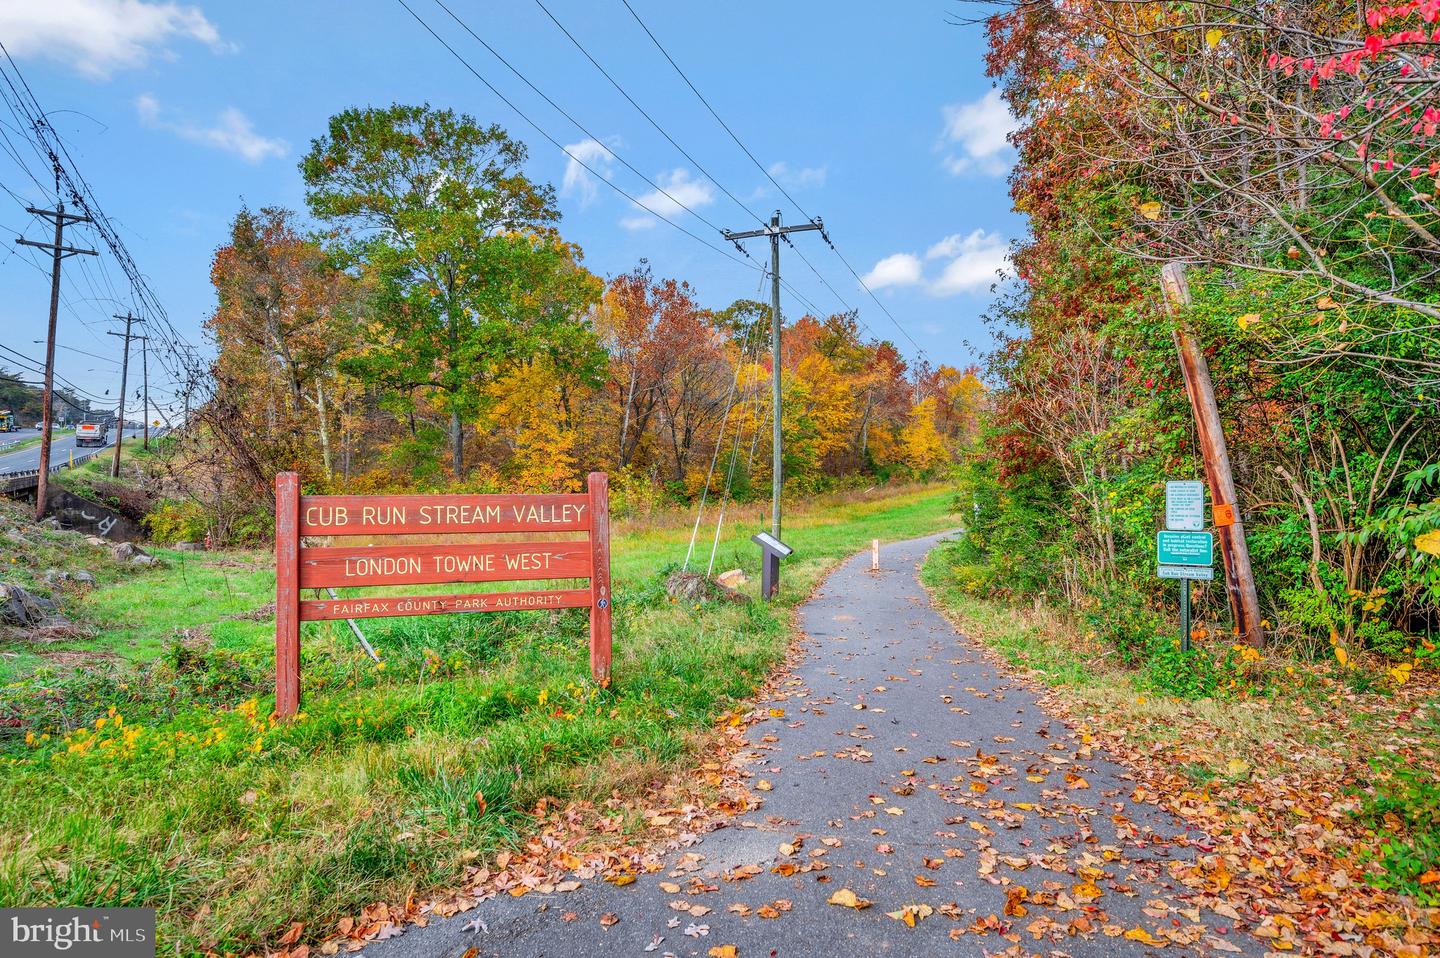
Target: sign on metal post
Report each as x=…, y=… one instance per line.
x=1184, y=548
x=338, y=565
x=772, y=550
x=1204, y=572
x=1185, y=505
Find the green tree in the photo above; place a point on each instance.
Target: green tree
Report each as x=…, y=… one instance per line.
x=470, y=272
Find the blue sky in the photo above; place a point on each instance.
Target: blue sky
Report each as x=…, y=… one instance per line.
x=880, y=120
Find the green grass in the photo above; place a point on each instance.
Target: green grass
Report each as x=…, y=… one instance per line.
x=1026, y=639
x=97, y=467
x=186, y=796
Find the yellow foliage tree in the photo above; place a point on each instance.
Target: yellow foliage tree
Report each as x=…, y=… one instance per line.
x=923, y=447
x=528, y=414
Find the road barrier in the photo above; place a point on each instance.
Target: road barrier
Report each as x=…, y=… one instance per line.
x=298, y=566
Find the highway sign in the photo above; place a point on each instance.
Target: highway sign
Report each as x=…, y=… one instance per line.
x=1184, y=548
x=1187, y=572
x=1185, y=505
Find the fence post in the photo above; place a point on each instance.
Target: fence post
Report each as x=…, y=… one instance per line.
x=287, y=594
x=599, y=488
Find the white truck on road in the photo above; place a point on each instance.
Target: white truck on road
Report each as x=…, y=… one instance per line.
x=92, y=434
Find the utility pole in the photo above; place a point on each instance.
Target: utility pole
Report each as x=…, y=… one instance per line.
x=60, y=251
x=124, y=372
x=145, y=371
x=1239, y=577
x=776, y=233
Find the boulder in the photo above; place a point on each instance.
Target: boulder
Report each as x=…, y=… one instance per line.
x=131, y=554
x=189, y=546
x=83, y=577
x=733, y=579
x=25, y=609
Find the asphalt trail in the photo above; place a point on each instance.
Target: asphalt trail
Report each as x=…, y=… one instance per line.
x=903, y=751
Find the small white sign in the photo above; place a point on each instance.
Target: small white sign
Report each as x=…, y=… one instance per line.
x=1186, y=572
x=773, y=544
x=1185, y=505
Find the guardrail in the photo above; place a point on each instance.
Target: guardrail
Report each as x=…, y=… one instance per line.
x=19, y=479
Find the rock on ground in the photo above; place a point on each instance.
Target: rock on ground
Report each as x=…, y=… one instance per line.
x=733, y=579
x=24, y=609
x=131, y=554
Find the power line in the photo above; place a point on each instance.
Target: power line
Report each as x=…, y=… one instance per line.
x=761, y=167
x=583, y=129
x=30, y=364
x=561, y=110
x=555, y=142
x=698, y=165
x=52, y=151
x=659, y=46
x=662, y=131
x=560, y=146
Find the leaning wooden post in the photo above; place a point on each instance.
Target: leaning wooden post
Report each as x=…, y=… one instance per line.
x=599, y=487
x=1239, y=577
x=287, y=594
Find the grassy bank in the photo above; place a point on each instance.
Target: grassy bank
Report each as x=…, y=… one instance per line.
x=177, y=792
x=1318, y=779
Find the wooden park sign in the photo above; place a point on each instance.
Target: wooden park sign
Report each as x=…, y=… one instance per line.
x=299, y=567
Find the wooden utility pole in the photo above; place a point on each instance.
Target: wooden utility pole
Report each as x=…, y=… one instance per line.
x=1239, y=577
x=59, y=251
x=124, y=373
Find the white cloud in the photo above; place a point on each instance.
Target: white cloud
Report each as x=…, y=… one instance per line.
x=678, y=188
x=803, y=178
x=979, y=130
x=898, y=269
x=232, y=131
x=98, y=37
x=974, y=262
x=578, y=181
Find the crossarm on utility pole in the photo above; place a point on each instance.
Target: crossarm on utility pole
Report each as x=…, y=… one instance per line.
x=124, y=372
x=775, y=232
x=60, y=251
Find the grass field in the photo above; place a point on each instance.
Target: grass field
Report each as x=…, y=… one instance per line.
x=155, y=778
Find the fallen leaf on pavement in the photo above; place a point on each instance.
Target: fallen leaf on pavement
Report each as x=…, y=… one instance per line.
x=847, y=899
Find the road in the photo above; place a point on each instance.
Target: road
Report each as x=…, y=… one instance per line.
x=60, y=448
x=900, y=764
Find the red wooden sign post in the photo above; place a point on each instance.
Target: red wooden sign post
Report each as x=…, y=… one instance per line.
x=300, y=567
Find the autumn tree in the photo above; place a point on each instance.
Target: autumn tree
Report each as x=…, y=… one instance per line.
x=284, y=317
x=471, y=276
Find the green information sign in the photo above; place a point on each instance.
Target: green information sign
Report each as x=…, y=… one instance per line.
x=1184, y=548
